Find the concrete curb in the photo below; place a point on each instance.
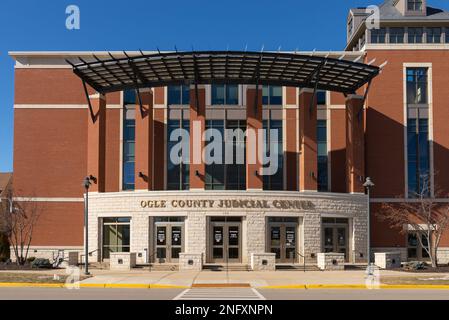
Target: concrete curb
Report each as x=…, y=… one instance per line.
x=91, y=285
x=163, y=286
x=358, y=286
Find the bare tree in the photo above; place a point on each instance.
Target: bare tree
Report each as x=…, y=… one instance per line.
x=19, y=216
x=422, y=215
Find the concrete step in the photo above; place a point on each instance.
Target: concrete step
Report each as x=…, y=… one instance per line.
x=224, y=267
x=163, y=267
x=358, y=266
x=296, y=267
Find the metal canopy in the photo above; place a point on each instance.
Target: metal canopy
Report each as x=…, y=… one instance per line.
x=224, y=67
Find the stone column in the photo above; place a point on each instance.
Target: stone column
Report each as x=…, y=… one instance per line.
x=96, y=142
x=308, y=161
x=197, y=145
x=355, y=144
x=144, y=142
x=254, y=179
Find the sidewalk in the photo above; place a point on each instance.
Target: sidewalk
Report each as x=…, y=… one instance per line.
x=277, y=279
x=354, y=279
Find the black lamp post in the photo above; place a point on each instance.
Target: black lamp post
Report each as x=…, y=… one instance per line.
x=86, y=183
x=368, y=185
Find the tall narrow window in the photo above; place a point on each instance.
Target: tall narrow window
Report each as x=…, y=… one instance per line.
x=416, y=85
x=396, y=35
x=434, y=35
x=215, y=171
x=225, y=94
x=418, y=146
x=276, y=181
x=129, y=136
x=272, y=95
x=321, y=98
x=415, y=35
x=418, y=156
x=177, y=168
x=236, y=171
x=178, y=95
x=322, y=155
x=378, y=35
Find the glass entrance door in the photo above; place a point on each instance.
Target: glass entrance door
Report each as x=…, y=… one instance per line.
x=283, y=242
x=168, y=242
x=336, y=239
x=225, y=242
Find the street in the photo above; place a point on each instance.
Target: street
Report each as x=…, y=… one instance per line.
x=242, y=294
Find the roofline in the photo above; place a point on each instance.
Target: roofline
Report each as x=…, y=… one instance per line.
x=75, y=54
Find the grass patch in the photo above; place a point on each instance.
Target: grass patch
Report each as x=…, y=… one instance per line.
x=33, y=278
x=425, y=280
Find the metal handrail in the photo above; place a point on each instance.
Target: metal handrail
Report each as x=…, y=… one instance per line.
x=83, y=255
x=303, y=259
x=150, y=258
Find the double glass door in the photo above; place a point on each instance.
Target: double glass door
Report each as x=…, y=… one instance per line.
x=336, y=239
x=225, y=242
x=169, y=241
x=283, y=242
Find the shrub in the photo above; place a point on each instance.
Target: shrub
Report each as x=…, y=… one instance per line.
x=41, y=264
x=31, y=259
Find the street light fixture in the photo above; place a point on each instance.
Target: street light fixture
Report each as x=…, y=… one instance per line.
x=368, y=185
x=87, y=183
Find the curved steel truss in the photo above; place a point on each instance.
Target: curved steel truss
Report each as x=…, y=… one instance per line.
x=224, y=67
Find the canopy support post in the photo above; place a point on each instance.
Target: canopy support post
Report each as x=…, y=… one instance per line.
x=89, y=103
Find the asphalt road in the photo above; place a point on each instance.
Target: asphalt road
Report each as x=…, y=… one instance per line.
x=169, y=294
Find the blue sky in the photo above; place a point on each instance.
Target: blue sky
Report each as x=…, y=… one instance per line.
x=145, y=24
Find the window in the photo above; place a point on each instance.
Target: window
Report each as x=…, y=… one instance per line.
x=178, y=169
x=225, y=94
x=433, y=35
x=378, y=35
x=322, y=155
x=414, y=5
x=129, y=134
x=236, y=172
x=416, y=249
x=418, y=157
x=271, y=95
x=447, y=35
x=417, y=85
x=396, y=35
x=418, y=154
x=178, y=95
x=276, y=181
x=116, y=235
x=129, y=97
x=415, y=35
x=215, y=172
x=350, y=26
x=321, y=97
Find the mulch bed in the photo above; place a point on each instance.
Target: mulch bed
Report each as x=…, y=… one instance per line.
x=15, y=267
x=427, y=269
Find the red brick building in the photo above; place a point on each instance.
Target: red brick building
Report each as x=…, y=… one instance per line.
x=145, y=204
